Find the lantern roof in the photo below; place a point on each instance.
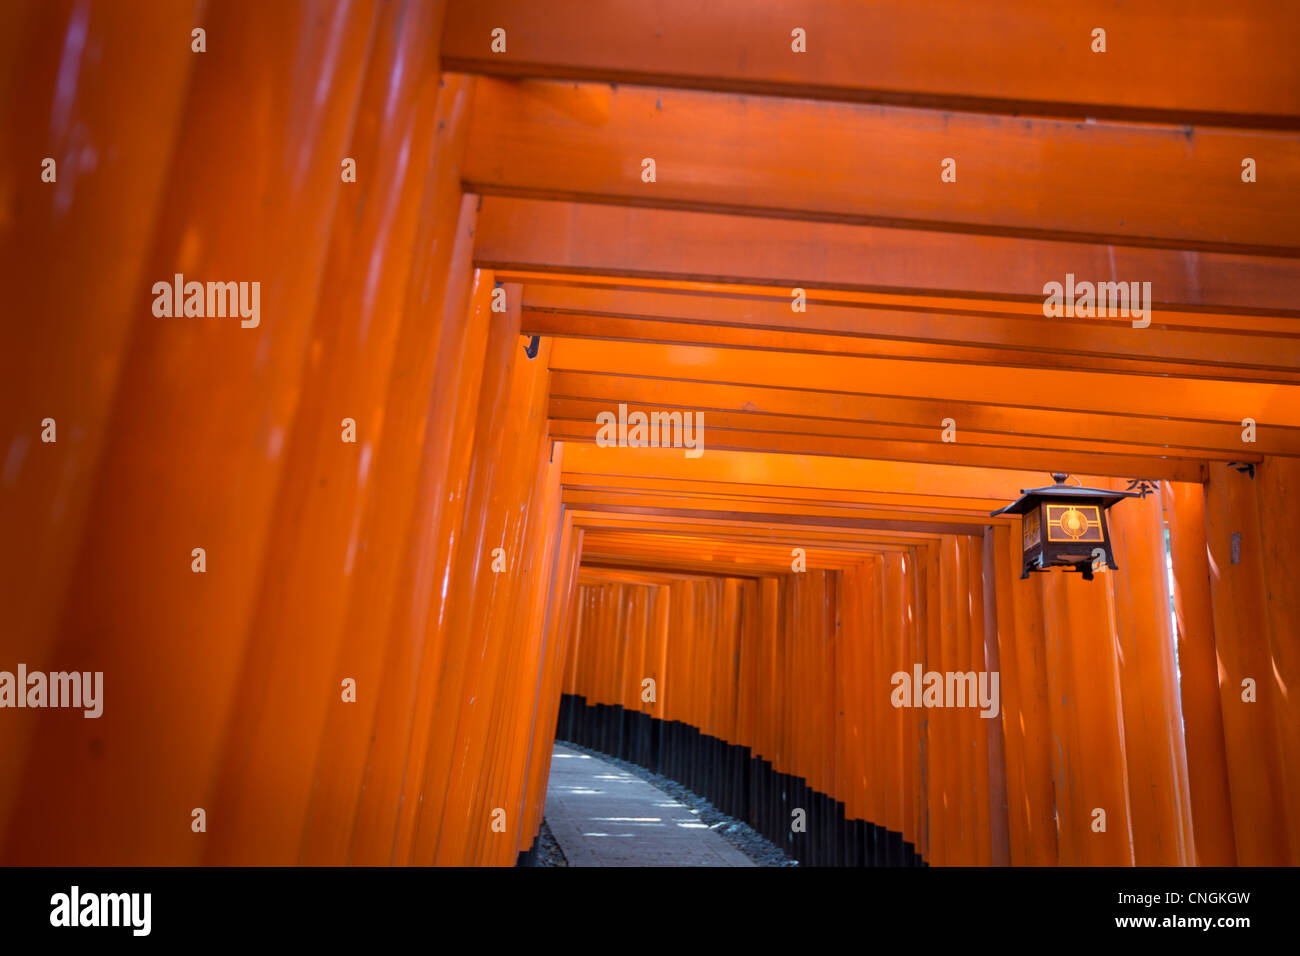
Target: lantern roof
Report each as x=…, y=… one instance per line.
x=1029, y=497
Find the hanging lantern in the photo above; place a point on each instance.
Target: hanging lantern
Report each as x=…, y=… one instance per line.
x=1065, y=526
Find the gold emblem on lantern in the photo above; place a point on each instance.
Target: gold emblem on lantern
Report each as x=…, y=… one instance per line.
x=1073, y=523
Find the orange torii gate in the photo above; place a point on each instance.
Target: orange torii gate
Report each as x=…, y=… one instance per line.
x=346, y=571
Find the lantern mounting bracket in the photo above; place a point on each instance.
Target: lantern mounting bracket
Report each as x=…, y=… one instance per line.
x=1245, y=467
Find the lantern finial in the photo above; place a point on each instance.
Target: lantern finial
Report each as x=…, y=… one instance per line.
x=1059, y=477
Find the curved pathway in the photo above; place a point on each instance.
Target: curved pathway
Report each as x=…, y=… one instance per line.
x=604, y=816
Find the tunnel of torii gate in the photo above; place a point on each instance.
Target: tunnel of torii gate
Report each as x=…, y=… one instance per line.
x=349, y=557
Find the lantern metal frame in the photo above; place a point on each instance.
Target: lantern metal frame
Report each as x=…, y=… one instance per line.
x=1064, y=526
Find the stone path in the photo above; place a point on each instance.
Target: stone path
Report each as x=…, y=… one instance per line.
x=603, y=816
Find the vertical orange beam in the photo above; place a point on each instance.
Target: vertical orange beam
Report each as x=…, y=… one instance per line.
x=469, y=803
x=595, y=644
x=1277, y=492
x=562, y=601
x=803, y=714
x=611, y=663
x=915, y=722
x=1153, y=740
x=825, y=682
x=1006, y=750
x=842, y=678
x=249, y=207
x=1035, y=718
x=879, y=706
x=496, y=745
x=111, y=163
x=786, y=684
x=746, y=648
x=569, y=677
x=686, y=679
x=1087, y=721
x=786, y=756
x=634, y=665
x=679, y=611
x=442, y=417
x=520, y=704
x=938, y=616
x=433, y=382
x=875, y=690
x=960, y=791
x=859, y=690
x=563, y=604
x=944, y=825
x=768, y=666
x=289, y=679
x=471, y=582
x=1198, y=666
x=793, y=708
x=875, y=686
x=705, y=657
x=880, y=709
x=1241, y=633
x=747, y=682
x=391, y=797
x=892, y=640
x=497, y=735
x=984, y=730
x=921, y=611
x=722, y=697
x=676, y=689
x=657, y=651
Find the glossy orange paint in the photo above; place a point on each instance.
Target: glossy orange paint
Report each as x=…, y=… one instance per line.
x=432, y=387
x=66, y=365
x=1198, y=669
x=1035, y=802
x=1088, y=759
x=297, y=629
x=890, y=52
x=1279, y=483
x=1249, y=690
x=201, y=421
x=881, y=165
x=474, y=553
x=640, y=243
x=1154, y=745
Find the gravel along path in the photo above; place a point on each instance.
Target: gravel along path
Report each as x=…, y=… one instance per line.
x=548, y=850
